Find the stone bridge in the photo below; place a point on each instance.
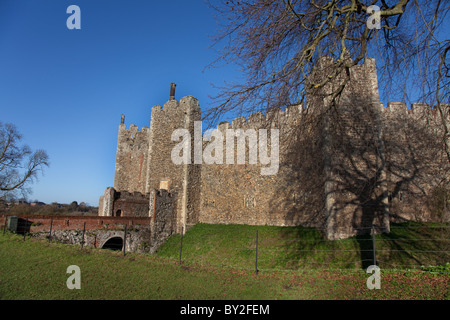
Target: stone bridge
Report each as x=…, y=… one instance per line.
x=93, y=231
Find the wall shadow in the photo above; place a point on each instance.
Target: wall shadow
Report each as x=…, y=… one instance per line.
x=372, y=167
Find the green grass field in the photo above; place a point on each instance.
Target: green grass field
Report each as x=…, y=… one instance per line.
x=36, y=269
x=408, y=245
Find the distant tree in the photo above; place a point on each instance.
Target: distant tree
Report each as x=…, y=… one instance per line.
x=19, y=165
x=21, y=208
x=73, y=206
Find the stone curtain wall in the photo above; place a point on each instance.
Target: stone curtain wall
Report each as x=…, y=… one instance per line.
x=240, y=194
x=371, y=165
x=416, y=163
x=341, y=169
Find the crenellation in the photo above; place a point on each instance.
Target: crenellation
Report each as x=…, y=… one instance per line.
x=420, y=110
x=171, y=105
x=396, y=109
x=239, y=123
x=275, y=117
x=190, y=102
x=156, y=109
x=446, y=110
x=294, y=110
x=223, y=126
x=256, y=120
x=132, y=129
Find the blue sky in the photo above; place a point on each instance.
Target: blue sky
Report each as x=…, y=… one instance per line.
x=66, y=89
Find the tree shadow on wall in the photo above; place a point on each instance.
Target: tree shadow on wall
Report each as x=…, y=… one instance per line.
x=348, y=155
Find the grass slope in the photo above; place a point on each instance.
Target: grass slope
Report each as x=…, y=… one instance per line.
x=292, y=248
x=36, y=269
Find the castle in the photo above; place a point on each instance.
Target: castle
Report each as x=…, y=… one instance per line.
x=342, y=170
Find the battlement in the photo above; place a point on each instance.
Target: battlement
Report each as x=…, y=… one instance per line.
x=273, y=118
x=417, y=110
x=133, y=130
x=160, y=193
x=278, y=117
x=173, y=106
x=135, y=196
x=363, y=82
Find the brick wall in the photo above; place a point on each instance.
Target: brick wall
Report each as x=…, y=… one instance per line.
x=41, y=223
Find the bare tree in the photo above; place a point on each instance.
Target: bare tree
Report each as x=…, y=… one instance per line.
x=277, y=43
x=19, y=165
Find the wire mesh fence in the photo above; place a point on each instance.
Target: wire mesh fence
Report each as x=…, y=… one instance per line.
x=258, y=248
x=406, y=246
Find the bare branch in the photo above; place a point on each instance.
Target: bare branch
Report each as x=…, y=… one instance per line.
x=19, y=166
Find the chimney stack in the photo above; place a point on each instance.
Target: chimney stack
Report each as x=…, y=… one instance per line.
x=172, y=91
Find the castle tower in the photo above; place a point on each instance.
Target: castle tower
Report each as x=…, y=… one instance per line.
x=131, y=158
x=353, y=150
x=179, y=179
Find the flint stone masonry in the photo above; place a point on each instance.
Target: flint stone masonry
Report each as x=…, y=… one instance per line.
x=137, y=239
x=163, y=220
x=385, y=171
x=131, y=163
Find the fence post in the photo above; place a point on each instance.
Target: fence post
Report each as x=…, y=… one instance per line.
x=50, y=233
x=26, y=226
x=82, y=238
x=256, y=261
x=373, y=247
x=124, y=240
x=181, y=243
x=4, y=227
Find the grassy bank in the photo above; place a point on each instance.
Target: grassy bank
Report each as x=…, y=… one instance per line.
x=408, y=245
x=35, y=269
